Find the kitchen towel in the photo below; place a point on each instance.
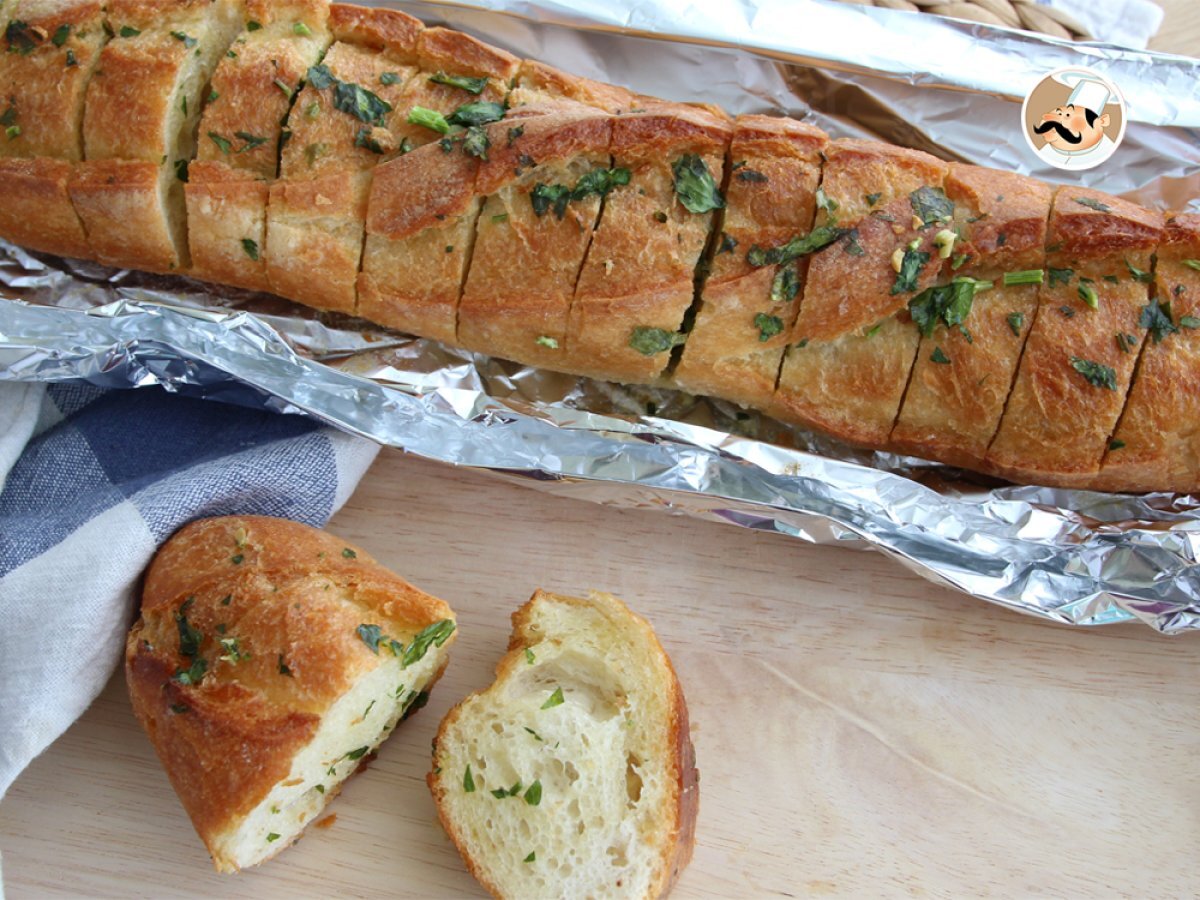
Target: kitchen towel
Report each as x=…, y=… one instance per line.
x=92, y=482
x=1129, y=23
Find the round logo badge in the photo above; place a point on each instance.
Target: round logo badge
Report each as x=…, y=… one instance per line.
x=1074, y=118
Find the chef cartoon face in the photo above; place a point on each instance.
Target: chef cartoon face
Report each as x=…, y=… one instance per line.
x=1074, y=119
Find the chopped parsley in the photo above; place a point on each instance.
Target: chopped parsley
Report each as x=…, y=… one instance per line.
x=1016, y=320
x=389, y=78
x=533, y=794
x=356, y=754
x=1189, y=322
x=652, y=341
x=939, y=357
x=272, y=837
x=1093, y=204
x=801, y=245
x=251, y=247
x=949, y=303
x=910, y=270
x=283, y=86
x=464, y=82
x=1138, y=274
x=190, y=637
x=501, y=793
x=370, y=635
x=555, y=699
x=1156, y=318
x=532, y=857
x=237, y=559
x=185, y=39
x=536, y=736
x=476, y=142
x=931, y=205
x=728, y=243
x=365, y=138
x=1192, y=264
x=128, y=31
x=785, y=286
x=750, y=175
x=529, y=657
x=695, y=186
x=548, y=342
x=514, y=133
x=1116, y=444
x=9, y=116
x=233, y=652
x=1060, y=276
x=872, y=199
x=436, y=634
x=72, y=60
x=827, y=203
x=302, y=30
x=1126, y=342
x=482, y=112
x=283, y=668
x=193, y=674
x=1026, y=276
x=768, y=326
x=357, y=101
x=320, y=77
x=546, y=197
x=180, y=708
x=12, y=132
x=61, y=35
x=468, y=781
x=851, y=244
x=253, y=26
x=223, y=144
x=1097, y=374
x=1088, y=295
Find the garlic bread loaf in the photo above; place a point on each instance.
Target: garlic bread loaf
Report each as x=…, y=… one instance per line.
x=355, y=160
x=269, y=659
x=573, y=775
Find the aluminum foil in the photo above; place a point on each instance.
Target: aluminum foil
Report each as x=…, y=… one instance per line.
x=1069, y=556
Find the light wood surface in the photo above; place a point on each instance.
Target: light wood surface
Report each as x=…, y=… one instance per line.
x=859, y=731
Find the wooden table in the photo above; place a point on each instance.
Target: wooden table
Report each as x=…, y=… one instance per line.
x=859, y=731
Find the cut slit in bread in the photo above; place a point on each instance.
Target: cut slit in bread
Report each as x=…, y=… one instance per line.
x=269, y=661
x=573, y=774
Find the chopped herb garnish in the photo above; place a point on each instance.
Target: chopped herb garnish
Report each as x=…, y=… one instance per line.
x=313, y=152
x=785, y=286
x=180, y=708
x=548, y=342
x=365, y=138
x=500, y=217
x=1126, y=342
x=931, y=205
x=190, y=638
x=1111, y=279
x=187, y=40
x=1097, y=374
x=872, y=199
x=181, y=169
x=529, y=657
x=227, y=599
x=357, y=101
x=1026, y=276
x=752, y=176
x=535, y=734
x=1088, y=295
x=251, y=247
x=768, y=326
x=71, y=59
x=851, y=244
x=728, y=243
x=1156, y=318
x=1192, y=264
x=476, y=142
x=283, y=668
x=660, y=217
x=555, y=699
x=9, y=116
x=1001, y=239
x=272, y=837
x=356, y=754
x=533, y=794
x=253, y=26
x=389, y=78
x=694, y=185
x=514, y=133
x=61, y=34
x=1093, y=204
x=12, y=132
x=414, y=701
x=821, y=236
x=1189, y=322
x=1016, y=320
x=1138, y=274
x=223, y=144
x=468, y=781
x=193, y=674
x=320, y=788
x=464, y=82
x=320, y=77
x=371, y=636
x=939, y=357
x=1060, y=276
x=532, y=857
x=481, y=112
x=958, y=261
x=949, y=303
x=1067, y=312
x=1116, y=444
x=128, y=31
x=436, y=634
x=910, y=270
x=428, y=118
x=283, y=86
x=652, y=341
x=233, y=653
x=826, y=203
x=301, y=29
x=545, y=197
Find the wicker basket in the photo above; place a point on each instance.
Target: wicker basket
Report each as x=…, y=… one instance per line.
x=1024, y=14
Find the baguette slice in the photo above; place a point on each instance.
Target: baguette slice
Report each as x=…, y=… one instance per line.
x=573, y=775
x=270, y=658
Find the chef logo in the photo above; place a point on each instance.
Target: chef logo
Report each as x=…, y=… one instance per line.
x=1074, y=118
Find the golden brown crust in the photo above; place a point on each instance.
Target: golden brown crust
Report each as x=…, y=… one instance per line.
x=122, y=210
x=387, y=30
x=952, y=409
x=1156, y=445
x=524, y=266
x=1057, y=424
x=536, y=82
x=292, y=596
x=770, y=199
x=455, y=53
x=37, y=211
x=227, y=225
x=42, y=92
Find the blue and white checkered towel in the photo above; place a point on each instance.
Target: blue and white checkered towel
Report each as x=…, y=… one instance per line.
x=91, y=484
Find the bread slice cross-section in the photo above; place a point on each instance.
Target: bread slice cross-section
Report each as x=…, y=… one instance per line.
x=573, y=775
x=269, y=660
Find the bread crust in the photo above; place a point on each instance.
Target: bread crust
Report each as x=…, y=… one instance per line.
x=684, y=807
x=37, y=211
x=537, y=82
x=227, y=225
x=292, y=596
x=770, y=199
x=45, y=88
x=122, y=209
x=387, y=30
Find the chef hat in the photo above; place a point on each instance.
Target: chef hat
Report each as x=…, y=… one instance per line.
x=1088, y=91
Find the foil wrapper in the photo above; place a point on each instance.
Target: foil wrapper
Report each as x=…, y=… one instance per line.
x=1073, y=557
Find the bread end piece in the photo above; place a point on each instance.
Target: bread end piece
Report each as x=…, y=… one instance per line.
x=585, y=723
x=269, y=661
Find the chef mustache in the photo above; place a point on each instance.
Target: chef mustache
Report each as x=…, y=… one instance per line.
x=1063, y=132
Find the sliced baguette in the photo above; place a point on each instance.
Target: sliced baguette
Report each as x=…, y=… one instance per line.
x=270, y=658
x=573, y=775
